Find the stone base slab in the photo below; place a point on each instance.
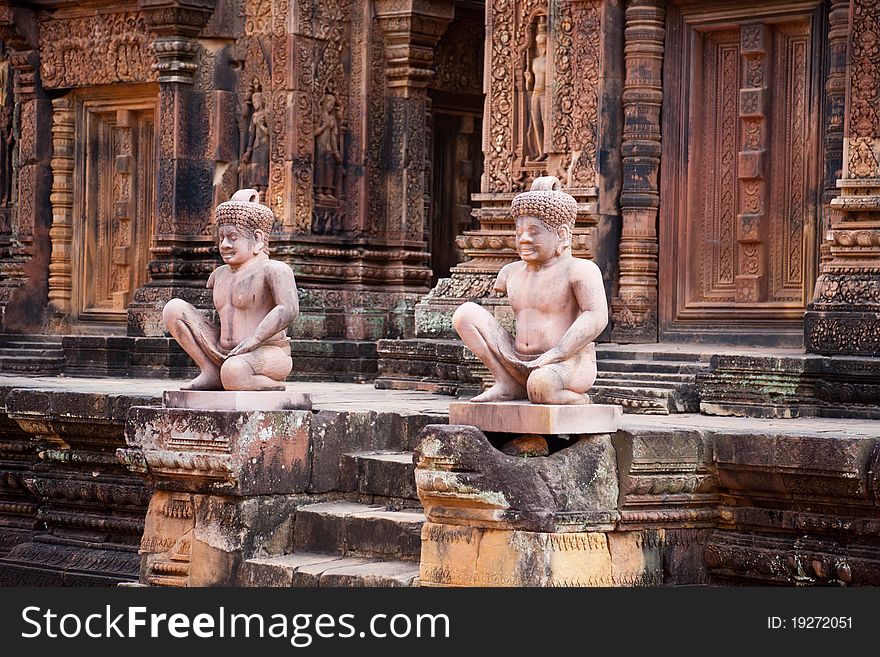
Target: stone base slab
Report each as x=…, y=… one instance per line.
x=454, y=555
x=523, y=417
x=248, y=400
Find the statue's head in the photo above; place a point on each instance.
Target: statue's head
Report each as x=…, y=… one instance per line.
x=545, y=218
x=541, y=41
x=243, y=227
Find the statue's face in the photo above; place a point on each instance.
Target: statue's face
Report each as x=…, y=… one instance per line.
x=535, y=241
x=237, y=247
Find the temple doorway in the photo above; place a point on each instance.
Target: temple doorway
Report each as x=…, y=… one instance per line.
x=742, y=128
x=113, y=205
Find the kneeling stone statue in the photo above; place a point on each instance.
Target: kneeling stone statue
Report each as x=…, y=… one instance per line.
x=255, y=298
x=558, y=303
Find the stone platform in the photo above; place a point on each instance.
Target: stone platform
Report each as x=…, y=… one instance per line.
x=523, y=417
x=699, y=499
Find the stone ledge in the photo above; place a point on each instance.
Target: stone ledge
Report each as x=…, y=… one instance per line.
x=523, y=417
x=247, y=400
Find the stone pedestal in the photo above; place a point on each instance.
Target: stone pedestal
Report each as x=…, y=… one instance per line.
x=224, y=478
x=523, y=417
x=500, y=520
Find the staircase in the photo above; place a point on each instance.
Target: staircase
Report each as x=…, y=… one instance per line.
x=373, y=541
x=649, y=381
x=31, y=355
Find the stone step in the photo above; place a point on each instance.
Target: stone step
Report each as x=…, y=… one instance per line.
x=663, y=367
x=10, y=338
x=655, y=379
x=614, y=353
x=647, y=400
x=316, y=569
x=385, y=473
x=359, y=530
x=31, y=351
x=33, y=365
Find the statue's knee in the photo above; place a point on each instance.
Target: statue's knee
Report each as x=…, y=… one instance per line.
x=543, y=385
x=235, y=374
x=464, y=314
x=172, y=311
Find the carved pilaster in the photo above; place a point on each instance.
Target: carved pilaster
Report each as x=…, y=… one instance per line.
x=569, y=110
x=634, y=308
x=183, y=250
x=835, y=104
x=844, y=316
x=411, y=30
x=23, y=257
x=61, y=232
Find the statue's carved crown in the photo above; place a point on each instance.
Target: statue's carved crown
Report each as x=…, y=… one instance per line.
x=547, y=202
x=244, y=211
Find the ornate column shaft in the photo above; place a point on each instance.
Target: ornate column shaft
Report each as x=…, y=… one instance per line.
x=183, y=250
x=412, y=29
x=634, y=308
x=835, y=104
x=844, y=316
x=61, y=233
x=23, y=260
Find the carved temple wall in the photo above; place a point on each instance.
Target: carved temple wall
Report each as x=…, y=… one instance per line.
x=710, y=209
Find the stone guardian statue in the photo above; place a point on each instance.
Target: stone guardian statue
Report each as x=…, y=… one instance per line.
x=558, y=303
x=255, y=298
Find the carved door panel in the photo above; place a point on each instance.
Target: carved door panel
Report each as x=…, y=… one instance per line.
x=740, y=172
x=116, y=206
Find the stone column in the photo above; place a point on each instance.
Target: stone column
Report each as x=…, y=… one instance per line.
x=844, y=316
x=835, y=104
x=412, y=29
x=24, y=252
x=634, y=307
x=61, y=233
x=183, y=249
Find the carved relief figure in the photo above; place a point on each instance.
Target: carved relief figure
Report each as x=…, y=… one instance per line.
x=254, y=166
x=558, y=302
x=7, y=136
x=327, y=150
x=255, y=298
x=535, y=74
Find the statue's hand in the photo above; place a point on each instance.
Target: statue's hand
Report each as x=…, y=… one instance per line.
x=547, y=358
x=243, y=347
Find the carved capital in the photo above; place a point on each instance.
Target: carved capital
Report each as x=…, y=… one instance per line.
x=412, y=29
x=177, y=17
x=176, y=57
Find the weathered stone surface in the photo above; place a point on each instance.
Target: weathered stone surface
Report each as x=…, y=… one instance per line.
x=462, y=479
x=213, y=400
x=122, y=356
x=666, y=478
x=523, y=417
x=799, y=386
x=90, y=510
x=455, y=555
x=386, y=474
x=336, y=434
x=223, y=452
x=358, y=530
x=202, y=540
